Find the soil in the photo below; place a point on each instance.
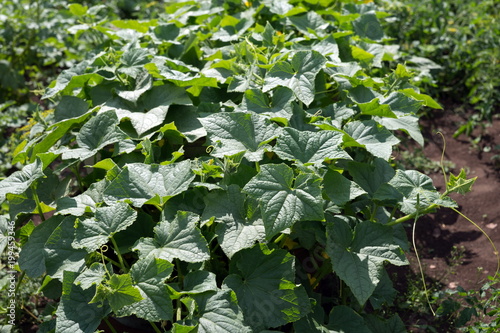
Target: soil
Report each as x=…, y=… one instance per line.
x=452, y=250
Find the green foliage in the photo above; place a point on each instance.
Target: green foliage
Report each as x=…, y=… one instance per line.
x=473, y=310
x=224, y=167
x=457, y=310
x=461, y=39
x=39, y=39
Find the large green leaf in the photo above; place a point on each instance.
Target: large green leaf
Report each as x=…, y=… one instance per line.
x=417, y=189
x=377, y=140
x=98, y=132
x=358, y=257
x=237, y=228
x=148, y=275
x=408, y=124
x=198, y=282
x=53, y=134
x=21, y=180
x=232, y=133
x=310, y=24
x=401, y=104
x=72, y=78
x=344, y=319
x=264, y=282
x=371, y=176
x=70, y=107
x=384, y=293
x=425, y=99
x=47, y=189
x=76, y=206
x=379, y=325
x=93, y=275
x=94, y=232
x=329, y=48
x=339, y=189
x=280, y=7
x=367, y=25
x=362, y=95
x=82, y=203
x=186, y=121
x=219, y=312
x=278, y=106
x=152, y=107
x=134, y=57
x=195, y=81
x=144, y=121
x=375, y=108
x=143, y=82
x=231, y=28
x=299, y=75
x=138, y=183
x=310, y=147
x=74, y=313
x=285, y=201
x=179, y=238
x=49, y=249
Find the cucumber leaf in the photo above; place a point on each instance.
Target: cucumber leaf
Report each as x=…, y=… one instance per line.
x=284, y=199
x=232, y=133
x=298, y=75
x=264, y=282
x=179, y=238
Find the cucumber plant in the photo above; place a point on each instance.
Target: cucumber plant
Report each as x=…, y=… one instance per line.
x=225, y=167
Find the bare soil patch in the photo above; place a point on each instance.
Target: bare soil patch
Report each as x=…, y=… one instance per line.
x=439, y=232
x=452, y=250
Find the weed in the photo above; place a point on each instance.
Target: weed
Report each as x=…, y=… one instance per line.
x=416, y=159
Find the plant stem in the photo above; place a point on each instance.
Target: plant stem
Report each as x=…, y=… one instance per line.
x=78, y=177
x=157, y=330
x=422, y=275
x=343, y=293
x=413, y=215
x=279, y=239
x=19, y=282
x=123, y=264
x=109, y=325
x=373, y=212
x=393, y=212
x=257, y=166
x=178, y=315
x=180, y=277
x=392, y=86
x=37, y=201
x=160, y=208
x=112, y=261
x=180, y=280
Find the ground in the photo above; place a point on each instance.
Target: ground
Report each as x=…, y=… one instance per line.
x=453, y=251
x=438, y=233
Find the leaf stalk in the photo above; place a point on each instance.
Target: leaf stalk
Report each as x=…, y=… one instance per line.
x=37, y=202
x=123, y=264
x=157, y=330
x=106, y=320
